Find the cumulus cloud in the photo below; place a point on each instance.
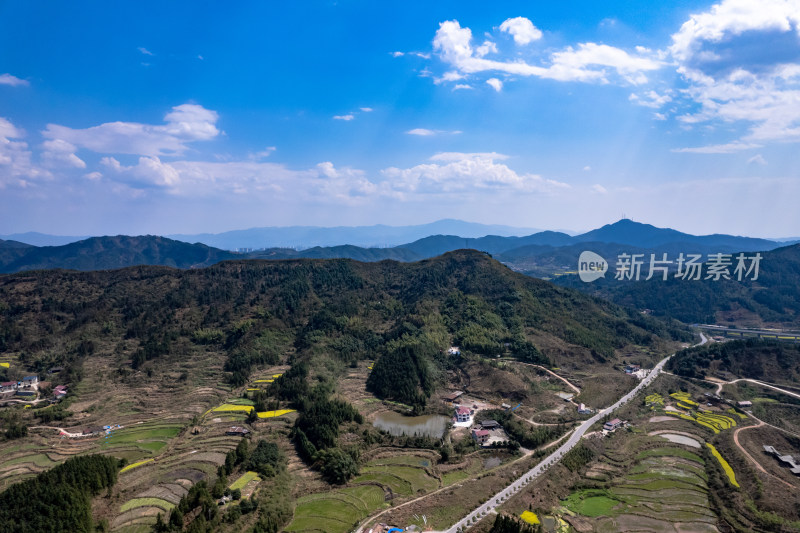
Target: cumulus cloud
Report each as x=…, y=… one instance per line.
x=344, y=117
x=586, y=62
x=650, y=99
x=454, y=172
x=521, y=29
x=757, y=159
x=495, y=84
x=16, y=167
x=184, y=124
x=488, y=47
x=741, y=60
x=366, y=109
x=59, y=153
x=8, y=79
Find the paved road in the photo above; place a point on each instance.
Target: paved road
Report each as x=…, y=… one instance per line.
x=496, y=500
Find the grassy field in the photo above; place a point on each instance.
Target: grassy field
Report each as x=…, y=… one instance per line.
x=336, y=511
x=246, y=478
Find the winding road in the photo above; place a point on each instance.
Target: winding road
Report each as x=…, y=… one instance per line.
x=529, y=476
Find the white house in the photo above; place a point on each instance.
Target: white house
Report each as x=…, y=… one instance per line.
x=463, y=414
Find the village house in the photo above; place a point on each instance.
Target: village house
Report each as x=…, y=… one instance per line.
x=480, y=436
x=787, y=460
x=490, y=424
x=613, y=425
x=453, y=396
x=7, y=386
x=745, y=403
x=632, y=369
x=237, y=431
x=463, y=414
x=59, y=392
x=28, y=381
x=454, y=350
x=505, y=406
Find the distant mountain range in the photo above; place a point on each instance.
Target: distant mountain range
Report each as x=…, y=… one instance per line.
x=540, y=254
x=106, y=253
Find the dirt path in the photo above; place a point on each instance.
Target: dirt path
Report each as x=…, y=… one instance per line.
x=750, y=457
x=61, y=431
x=570, y=385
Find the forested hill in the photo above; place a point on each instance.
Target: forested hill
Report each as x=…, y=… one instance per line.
x=772, y=361
x=100, y=253
x=256, y=312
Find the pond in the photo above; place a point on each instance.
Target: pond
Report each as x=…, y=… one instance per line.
x=425, y=425
x=491, y=462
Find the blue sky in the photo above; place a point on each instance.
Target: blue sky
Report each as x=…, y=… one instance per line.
x=166, y=117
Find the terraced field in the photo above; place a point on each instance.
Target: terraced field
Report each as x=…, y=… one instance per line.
x=661, y=488
x=337, y=511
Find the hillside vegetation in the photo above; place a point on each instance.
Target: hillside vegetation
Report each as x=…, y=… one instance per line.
x=765, y=360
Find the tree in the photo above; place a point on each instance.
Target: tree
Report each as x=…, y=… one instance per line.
x=337, y=465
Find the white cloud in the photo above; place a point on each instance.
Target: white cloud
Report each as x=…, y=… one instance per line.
x=728, y=148
x=398, y=54
x=59, y=153
x=8, y=79
x=266, y=152
x=599, y=189
x=462, y=86
x=16, y=167
x=650, y=99
x=587, y=168
x=344, y=117
x=488, y=47
x=588, y=62
x=740, y=60
x=466, y=173
x=93, y=176
x=366, y=109
x=149, y=172
x=757, y=159
x=421, y=131
x=659, y=116
x=145, y=51
x=185, y=123
x=424, y=132
x=495, y=84
x=521, y=29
